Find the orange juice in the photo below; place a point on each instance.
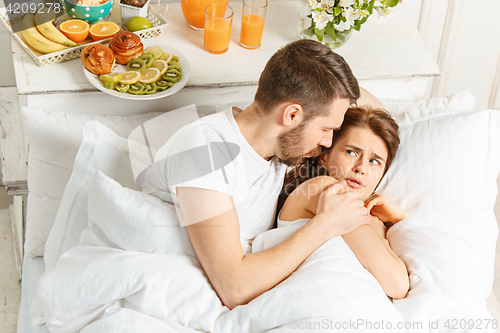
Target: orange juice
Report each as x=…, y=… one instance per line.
x=194, y=11
x=217, y=35
x=252, y=27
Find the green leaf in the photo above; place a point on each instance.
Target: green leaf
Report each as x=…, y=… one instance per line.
x=309, y=32
x=330, y=31
x=390, y=3
x=337, y=11
x=319, y=34
x=370, y=7
x=358, y=23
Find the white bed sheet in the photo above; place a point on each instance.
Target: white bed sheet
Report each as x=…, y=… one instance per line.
x=32, y=270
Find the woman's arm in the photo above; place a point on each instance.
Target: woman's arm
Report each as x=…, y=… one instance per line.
x=373, y=251
x=367, y=242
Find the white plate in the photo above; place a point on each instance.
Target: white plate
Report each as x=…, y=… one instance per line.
x=186, y=71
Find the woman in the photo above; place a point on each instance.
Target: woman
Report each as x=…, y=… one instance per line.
x=362, y=151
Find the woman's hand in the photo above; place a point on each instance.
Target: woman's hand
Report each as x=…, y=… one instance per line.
x=385, y=209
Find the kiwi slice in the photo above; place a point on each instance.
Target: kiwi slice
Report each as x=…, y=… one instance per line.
x=171, y=76
x=163, y=83
x=136, y=64
x=175, y=58
x=109, y=85
x=122, y=87
x=150, y=88
x=148, y=59
x=136, y=88
x=158, y=88
x=175, y=66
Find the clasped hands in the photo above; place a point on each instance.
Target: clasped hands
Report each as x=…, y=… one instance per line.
x=351, y=212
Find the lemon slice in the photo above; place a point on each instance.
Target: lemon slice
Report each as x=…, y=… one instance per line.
x=161, y=65
x=167, y=56
x=130, y=77
x=155, y=50
x=149, y=75
x=111, y=77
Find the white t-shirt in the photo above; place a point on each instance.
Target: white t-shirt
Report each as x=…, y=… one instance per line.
x=211, y=153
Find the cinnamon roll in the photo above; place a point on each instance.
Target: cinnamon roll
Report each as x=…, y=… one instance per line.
x=126, y=45
x=98, y=59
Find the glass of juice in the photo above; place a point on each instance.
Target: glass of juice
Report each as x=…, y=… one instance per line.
x=194, y=11
x=252, y=23
x=218, y=21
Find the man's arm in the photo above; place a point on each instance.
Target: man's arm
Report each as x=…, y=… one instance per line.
x=367, y=99
x=238, y=278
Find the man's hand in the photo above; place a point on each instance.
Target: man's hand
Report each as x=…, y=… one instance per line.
x=385, y=209
x=343, y=211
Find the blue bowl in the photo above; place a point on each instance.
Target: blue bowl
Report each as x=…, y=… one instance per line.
x=90, y=14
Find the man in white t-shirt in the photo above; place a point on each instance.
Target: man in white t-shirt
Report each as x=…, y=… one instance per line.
x=225, y=171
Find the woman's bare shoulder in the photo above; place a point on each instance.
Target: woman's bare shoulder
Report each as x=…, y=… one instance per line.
x=303, y=201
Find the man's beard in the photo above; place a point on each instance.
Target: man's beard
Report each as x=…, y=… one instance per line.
x=291, y=150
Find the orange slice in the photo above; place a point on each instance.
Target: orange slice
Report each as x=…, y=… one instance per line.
x=76, y=30
x=103, y=30
x=149, y=75
x=155, y=50
x=167, y=56
x=130, y=77
x=161, y=65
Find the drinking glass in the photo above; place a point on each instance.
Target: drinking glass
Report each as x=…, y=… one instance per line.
x=252, y=23
x=218, y=21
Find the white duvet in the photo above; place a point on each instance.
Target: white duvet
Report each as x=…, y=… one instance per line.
x=133, y=276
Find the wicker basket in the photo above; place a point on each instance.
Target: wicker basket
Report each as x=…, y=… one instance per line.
x=40, y=59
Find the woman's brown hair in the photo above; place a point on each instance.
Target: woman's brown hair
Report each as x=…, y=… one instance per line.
x=377, y=120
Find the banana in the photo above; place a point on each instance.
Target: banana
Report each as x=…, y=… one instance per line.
x=33, y=37
x=46, y=27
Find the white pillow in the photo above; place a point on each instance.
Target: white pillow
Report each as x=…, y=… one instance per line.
x=445, y=173
x=115, y=213
x=53, y=139
x=461, y=101
x=103, y=150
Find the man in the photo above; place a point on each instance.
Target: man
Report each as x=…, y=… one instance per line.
x=303, y=94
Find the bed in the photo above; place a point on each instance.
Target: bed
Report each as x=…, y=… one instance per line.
x=82, y=211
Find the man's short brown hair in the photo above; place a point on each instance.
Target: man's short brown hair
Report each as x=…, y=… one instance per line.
x=307, y=73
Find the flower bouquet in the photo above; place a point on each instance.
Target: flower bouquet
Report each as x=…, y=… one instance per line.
x=331, y=22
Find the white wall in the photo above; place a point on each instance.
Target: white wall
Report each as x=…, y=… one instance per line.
x=7, y=70
x=463, y=37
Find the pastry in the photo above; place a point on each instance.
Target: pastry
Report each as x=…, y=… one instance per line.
x=98, y=59
x=126, y=45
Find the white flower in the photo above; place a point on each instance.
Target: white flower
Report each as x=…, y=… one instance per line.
x=346, y=3
x=363, y=12
x=320, y=19
x=327, y=4
x=351, y=15
x=313, y=4
x=342, y=26
x=384, y=14
x=361, y=3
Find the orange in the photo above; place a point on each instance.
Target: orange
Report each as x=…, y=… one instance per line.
x=76, y=30
x=103, y=30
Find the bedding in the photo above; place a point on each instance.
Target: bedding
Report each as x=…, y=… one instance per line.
x=453, y=212
x=53, y=139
